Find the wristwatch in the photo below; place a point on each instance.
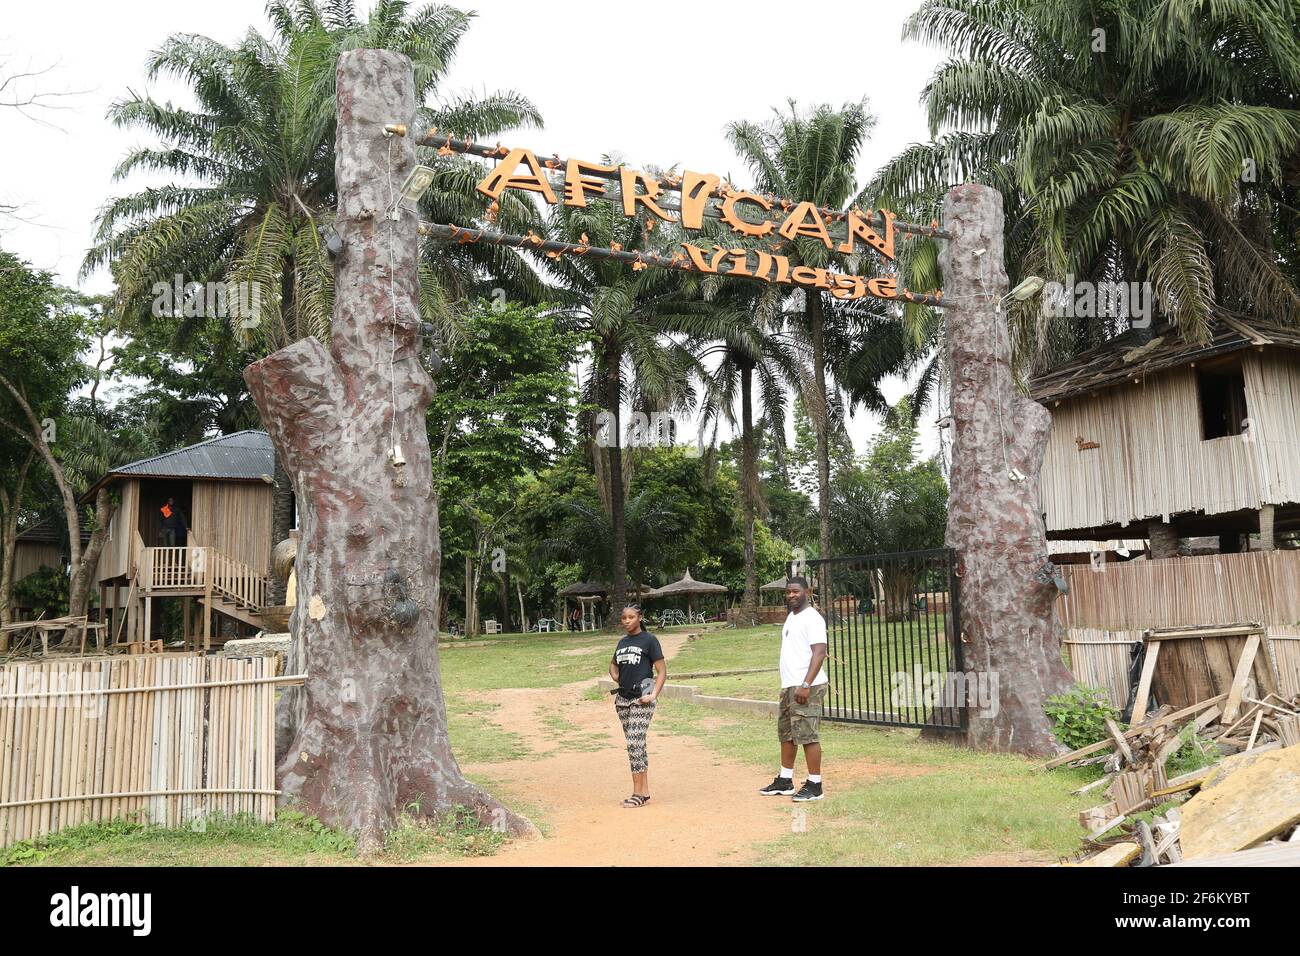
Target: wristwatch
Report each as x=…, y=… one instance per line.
x=805, y=685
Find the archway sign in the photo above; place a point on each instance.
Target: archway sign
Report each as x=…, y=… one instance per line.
x=697, y=197
x=365, y=737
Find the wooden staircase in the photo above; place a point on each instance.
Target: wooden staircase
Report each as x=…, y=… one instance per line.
x=218, y=582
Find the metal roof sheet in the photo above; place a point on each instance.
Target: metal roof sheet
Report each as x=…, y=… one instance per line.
x=245, y=455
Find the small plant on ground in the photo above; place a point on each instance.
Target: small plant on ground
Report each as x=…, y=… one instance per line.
x=1080, y=716
x=1193, y=753
x=458, y=831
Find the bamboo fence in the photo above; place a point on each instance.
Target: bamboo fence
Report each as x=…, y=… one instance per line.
x=1259, y=586
x=1101, y=659
x=1108, y=607
x=165, y=740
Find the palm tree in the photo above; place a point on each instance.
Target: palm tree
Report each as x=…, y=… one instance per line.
x=812, y=156
x=749, y=349
x=1145, y=140
x=255, y=169
x=588, y=538
x=628, y=315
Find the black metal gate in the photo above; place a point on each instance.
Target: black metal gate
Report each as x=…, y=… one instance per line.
x=893, y=626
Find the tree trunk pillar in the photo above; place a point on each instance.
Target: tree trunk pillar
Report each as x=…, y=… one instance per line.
x=1266, y=540
x=1011, y=636
x=372, y=739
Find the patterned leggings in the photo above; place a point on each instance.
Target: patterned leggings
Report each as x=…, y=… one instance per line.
x=635, y=719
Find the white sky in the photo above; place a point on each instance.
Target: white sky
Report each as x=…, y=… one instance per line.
x=653, y=83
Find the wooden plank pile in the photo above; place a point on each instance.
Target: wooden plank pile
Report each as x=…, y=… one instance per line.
x=42, y=628
x=1250, y=794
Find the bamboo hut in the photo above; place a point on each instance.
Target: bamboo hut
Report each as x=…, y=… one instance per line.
x=1160, y=438
x=217, y=563
x=41, y=545
x=1171, y=488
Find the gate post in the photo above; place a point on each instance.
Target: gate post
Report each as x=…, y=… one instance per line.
x=1010, y=634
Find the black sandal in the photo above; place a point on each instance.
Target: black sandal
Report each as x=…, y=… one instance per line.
x=636, y=800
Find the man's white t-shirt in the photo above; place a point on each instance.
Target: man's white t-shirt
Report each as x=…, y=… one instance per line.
x=800, y=633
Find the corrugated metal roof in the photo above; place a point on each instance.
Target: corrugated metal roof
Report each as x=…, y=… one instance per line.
x=45, y=532
x=1127, y=357
x=245, y=455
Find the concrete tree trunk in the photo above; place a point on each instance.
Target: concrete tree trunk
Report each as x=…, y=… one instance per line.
x=1010, y=630
x=369, y=735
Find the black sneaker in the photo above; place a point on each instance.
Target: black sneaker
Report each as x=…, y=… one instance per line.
x=809, y=791
x=781, y=786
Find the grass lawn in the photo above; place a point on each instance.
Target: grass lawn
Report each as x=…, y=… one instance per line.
x=526, y=660
x=729, y=649
x=891, y=798
x=293, y=840
x=907, y=801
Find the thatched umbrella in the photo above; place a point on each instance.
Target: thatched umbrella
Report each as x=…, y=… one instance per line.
x=781, y=583
x=590, y=593
x=688, y=587
x=594, y=588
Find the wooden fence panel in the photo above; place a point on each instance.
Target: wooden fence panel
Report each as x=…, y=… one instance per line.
x=1257, y=586
x=159, y=739
x=1285, y=643
x=1101, y=659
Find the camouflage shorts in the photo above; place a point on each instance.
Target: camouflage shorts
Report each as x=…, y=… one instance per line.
x=800, y=722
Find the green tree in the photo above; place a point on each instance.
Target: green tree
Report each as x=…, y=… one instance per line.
x=255, y=164
x=749, y=351
x=811, y=156
x=504, y=402
x=1144, y=140
x=626, y=316
x=42, y=336
x=891, y=501
x=187, y=378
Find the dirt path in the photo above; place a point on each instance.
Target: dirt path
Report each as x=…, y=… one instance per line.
x=578, y=773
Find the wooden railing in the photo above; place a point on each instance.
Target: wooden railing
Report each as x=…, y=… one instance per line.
x=173, y=568
x=237, y=581
x=191, y=568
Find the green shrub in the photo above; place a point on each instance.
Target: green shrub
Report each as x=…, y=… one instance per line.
x=458, y=832
x=1080, y=716
x=1194, y=753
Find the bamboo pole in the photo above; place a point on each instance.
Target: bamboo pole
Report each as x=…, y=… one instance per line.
x=135, y=794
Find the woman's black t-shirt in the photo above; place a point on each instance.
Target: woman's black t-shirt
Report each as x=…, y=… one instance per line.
x=635, y=656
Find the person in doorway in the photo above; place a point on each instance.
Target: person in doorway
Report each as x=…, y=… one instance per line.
x=637, y=657
x=173, y=523
x=803, y=687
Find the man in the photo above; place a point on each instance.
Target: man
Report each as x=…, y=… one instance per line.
x=803, y=687
x=173, y=523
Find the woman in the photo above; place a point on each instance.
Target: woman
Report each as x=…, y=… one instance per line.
x=637, y=656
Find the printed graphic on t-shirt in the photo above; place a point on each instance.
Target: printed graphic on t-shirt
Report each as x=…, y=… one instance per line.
x=628, y=655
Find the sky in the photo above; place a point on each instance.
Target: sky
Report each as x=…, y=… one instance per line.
x=654, y=84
